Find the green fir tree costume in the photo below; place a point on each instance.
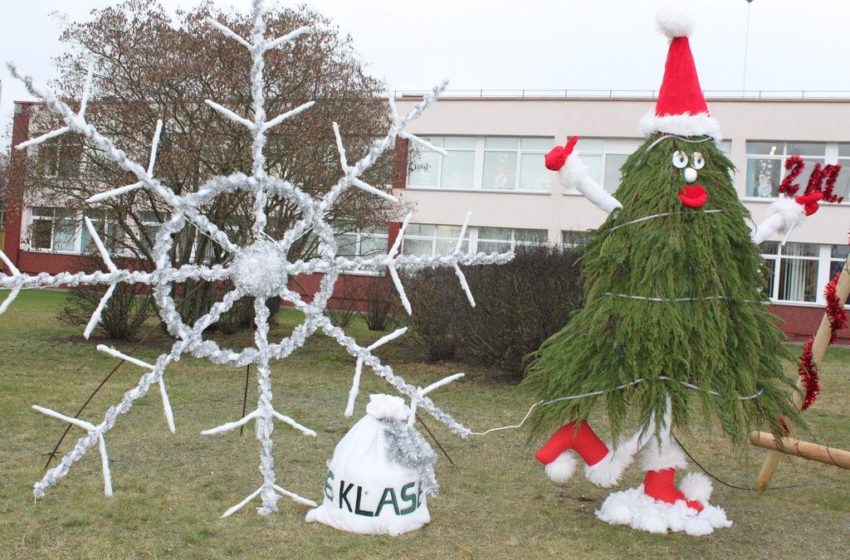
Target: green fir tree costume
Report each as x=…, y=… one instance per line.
x=674, y=313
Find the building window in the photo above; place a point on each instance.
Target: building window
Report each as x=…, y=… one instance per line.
x=60, y=157
x=429, y=239
x=838, y=256
x=792, y=271
x=361, y=242
x=107, y=228
x=515, y=164
x=842, y=185
x=432, y=169
x=150, y=226
x=604, y=157
x=499, y=240
x=53, y=229
x=482, y=163
x=574, y=238
x=766, y=164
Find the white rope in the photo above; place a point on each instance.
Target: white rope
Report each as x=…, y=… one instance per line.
x=661, y=215
x=680, y=138
x=546, y=402
x=658, y=299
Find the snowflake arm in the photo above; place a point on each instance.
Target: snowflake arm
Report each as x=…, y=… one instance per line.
x=385, y=372
x=137, y=185
x=91, y=429
x=76, y=123
x=358, y=368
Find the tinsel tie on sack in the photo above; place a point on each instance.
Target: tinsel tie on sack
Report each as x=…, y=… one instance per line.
x=407, y=447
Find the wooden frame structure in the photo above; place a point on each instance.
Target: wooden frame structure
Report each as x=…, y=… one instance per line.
x=792, y=446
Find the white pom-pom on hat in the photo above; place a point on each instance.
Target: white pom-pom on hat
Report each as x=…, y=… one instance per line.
x=674, y=22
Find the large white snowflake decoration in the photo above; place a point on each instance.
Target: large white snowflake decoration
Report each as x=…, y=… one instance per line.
x=259, y=270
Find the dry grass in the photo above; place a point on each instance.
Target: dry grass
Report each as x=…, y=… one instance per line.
x=495, y=500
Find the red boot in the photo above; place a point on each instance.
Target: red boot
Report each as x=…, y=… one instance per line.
x=661, y=486
x=603, y=467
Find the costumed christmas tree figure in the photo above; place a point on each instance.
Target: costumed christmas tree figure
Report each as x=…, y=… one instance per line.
x=674, y=314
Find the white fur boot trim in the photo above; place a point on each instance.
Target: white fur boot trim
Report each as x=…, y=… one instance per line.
x=634, y=508
x=657, y=457
x=696, y=486
x=562, y=468
x=607, y=472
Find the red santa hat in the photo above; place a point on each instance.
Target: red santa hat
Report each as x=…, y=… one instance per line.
x=681, y=107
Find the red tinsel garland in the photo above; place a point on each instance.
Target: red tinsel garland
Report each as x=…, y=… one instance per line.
x=795, y=165
x=834, y=309
x=807, y=369
x=808, y=372
x=816, y=179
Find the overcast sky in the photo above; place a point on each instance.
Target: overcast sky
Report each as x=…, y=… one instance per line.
x=523, y=44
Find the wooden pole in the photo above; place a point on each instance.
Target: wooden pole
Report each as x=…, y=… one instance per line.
x=819, y=347
x=805, y=449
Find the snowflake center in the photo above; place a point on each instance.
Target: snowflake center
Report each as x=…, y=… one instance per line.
x=260, y=269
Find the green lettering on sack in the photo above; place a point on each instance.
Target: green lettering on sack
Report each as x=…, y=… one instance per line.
x=419, y=496
x=357, y=510
x=329, y=490
x=387, y=498
x=343, y=494
x=408, y=498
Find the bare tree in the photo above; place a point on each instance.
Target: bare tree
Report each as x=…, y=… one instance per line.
x=149, y=66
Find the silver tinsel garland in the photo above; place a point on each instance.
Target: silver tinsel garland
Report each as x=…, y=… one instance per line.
x=407, y=447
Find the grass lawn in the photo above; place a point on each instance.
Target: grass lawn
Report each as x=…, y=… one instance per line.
x=495, y=502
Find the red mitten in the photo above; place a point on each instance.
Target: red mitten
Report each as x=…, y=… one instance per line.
x=557, y=156
x=809, y=202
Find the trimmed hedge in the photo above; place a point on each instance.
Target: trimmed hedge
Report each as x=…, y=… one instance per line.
x=518, y=306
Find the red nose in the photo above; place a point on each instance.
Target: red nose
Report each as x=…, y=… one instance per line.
x=693, y=196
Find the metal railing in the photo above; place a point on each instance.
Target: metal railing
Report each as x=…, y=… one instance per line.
x=795, y=95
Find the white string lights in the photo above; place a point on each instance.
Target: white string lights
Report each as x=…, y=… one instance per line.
x=259, y=270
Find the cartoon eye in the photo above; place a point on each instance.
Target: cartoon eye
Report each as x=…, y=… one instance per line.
x=698, y=162
x=680, y=160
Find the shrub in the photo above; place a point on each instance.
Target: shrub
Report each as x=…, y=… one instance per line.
x=241, y=316
x=125, y=314
x=382, y=309
x=438, y=312
x=518, y=306
x=343, y=307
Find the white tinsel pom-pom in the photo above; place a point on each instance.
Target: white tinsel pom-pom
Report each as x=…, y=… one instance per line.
x=562, y=468
x=675, y=22
x=387, y=407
